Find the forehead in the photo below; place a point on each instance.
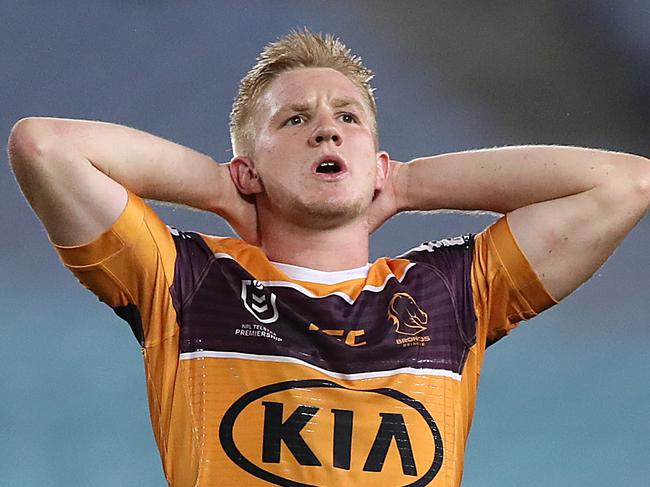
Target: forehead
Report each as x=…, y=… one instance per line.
x=308, y=86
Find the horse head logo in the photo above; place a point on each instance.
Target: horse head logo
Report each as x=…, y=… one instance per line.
x=406, y=315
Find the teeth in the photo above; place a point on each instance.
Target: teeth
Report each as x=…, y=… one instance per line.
x=328, y=166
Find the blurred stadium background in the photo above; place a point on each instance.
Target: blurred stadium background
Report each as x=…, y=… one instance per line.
x=563, y=400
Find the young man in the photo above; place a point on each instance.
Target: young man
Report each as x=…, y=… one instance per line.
x=285, y=358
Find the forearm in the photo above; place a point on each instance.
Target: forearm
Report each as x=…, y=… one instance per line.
x=143, y=163
x=74, y=173
x=568, y=208
x=504, y=179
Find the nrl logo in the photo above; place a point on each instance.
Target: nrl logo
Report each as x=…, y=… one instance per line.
x=409, y=319
x=259, y=302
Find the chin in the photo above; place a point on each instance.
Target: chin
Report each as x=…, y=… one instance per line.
x=324, y=215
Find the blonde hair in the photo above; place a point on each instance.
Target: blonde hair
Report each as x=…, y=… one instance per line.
x=298, y=49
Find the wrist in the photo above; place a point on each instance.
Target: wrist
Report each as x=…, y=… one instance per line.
x=216, y=185
x=401, y=176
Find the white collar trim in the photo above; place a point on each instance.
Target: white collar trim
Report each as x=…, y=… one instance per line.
x=322, y=277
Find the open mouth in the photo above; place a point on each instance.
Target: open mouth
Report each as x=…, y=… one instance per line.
x=330, y=165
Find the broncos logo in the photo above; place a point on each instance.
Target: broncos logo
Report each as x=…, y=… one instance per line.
x=406, y=315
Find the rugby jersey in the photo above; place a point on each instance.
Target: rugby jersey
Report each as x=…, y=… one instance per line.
x=260, y=373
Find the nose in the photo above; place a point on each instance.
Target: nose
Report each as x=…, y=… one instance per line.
x=325, y=132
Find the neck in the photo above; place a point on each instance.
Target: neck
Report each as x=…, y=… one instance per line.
x=335, y=249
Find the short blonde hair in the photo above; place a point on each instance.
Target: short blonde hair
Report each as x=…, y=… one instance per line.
x=298, y=49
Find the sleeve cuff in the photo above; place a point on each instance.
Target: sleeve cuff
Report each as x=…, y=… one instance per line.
x=518, y=268
x=108, y=243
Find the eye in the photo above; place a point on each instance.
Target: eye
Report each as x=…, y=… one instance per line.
x=348, y=118
x=295, y=120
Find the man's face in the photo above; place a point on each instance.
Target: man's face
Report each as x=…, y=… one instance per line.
x=315, y=149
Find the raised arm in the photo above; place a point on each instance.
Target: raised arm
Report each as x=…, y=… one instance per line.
x=568, y=207
x=74, y=174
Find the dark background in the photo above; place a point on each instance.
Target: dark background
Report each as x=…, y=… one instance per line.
x=563, y=400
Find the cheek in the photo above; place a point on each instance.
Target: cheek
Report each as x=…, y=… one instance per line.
x=276, y=176
x=275, y=149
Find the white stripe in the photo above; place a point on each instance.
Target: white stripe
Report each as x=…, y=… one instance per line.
x=223, y=255
x=336, y=375
x=322, y=277
x=307, y=292
x=436, y=244
x=340, y=294
x=368, y=287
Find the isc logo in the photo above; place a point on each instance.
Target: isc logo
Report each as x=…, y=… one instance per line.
x=317, y=432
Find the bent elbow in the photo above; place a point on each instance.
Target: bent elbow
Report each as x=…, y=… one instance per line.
x=630, y=182
x=640, y=182
x=644, y=189
x=28, y=140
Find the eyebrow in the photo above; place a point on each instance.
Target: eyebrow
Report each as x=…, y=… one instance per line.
x=294, y=107
x=340, y=102
x=346, y=102
x=289, y=107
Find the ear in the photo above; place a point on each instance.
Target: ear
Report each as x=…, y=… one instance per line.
x=244, y=175
x=383, y=169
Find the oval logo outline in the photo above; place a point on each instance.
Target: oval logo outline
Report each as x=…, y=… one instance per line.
x=228, y=421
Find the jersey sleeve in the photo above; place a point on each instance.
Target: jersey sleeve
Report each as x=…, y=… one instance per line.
x=505, y=286
x=130, y=267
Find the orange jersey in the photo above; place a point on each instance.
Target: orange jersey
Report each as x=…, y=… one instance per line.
x=261, y=373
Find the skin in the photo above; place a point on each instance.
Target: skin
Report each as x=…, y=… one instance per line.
x=305, y=115
x=74, y=174
x=568, y=207
x=559, y=201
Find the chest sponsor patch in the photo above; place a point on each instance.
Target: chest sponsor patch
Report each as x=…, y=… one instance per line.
x=319, y=430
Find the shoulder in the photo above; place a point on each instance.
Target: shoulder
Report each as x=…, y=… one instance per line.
x=444, y=253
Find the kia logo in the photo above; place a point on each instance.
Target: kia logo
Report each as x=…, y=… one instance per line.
x=276, y=431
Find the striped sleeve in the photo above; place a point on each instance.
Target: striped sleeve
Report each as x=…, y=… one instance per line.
x=505, y=286
x=130, y=267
